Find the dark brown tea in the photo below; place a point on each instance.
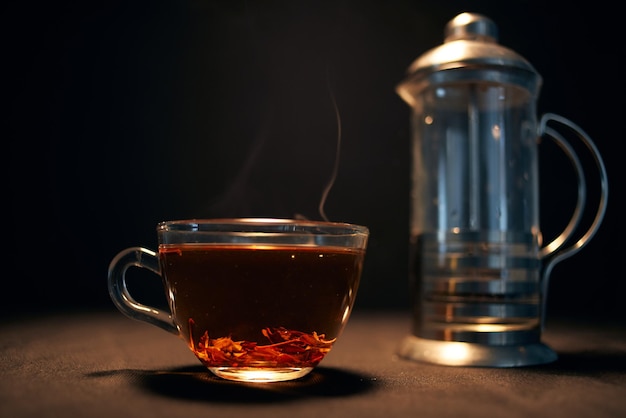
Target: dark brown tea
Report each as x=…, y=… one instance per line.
x=260, y=306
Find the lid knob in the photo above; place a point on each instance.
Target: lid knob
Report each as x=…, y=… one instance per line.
x=471, y=26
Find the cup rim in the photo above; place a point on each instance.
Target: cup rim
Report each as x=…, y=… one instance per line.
x=194, y=224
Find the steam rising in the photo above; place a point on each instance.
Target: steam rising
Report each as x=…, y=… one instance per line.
x=235, y=201
x=333, y=176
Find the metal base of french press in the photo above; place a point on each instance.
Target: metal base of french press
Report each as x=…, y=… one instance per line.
x=455, y=353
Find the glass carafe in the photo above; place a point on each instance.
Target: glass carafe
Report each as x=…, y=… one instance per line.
x=479, y=266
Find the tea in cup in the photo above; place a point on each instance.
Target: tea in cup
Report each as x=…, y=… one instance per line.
x=256, y=300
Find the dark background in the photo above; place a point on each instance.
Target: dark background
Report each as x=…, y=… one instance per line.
x=121, y=114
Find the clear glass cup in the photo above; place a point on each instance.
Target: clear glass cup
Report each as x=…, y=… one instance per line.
x=256, y=300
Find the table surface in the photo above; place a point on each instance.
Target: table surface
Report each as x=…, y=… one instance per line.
x=106, y=365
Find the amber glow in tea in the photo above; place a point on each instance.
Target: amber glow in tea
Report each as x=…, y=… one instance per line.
x=254, y=300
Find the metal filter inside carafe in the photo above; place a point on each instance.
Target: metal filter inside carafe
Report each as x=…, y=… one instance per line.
x=479, y=267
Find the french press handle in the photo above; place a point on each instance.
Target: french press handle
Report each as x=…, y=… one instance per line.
x=555, y=249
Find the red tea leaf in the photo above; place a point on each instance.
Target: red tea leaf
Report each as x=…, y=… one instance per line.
x=287, y=348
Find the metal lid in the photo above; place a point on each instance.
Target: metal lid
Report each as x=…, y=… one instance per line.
x=470, y=41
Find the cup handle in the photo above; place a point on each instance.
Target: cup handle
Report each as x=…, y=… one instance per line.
x=552, y=249
x=143, y=258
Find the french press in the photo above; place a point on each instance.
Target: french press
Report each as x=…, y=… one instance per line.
x=479, y=267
